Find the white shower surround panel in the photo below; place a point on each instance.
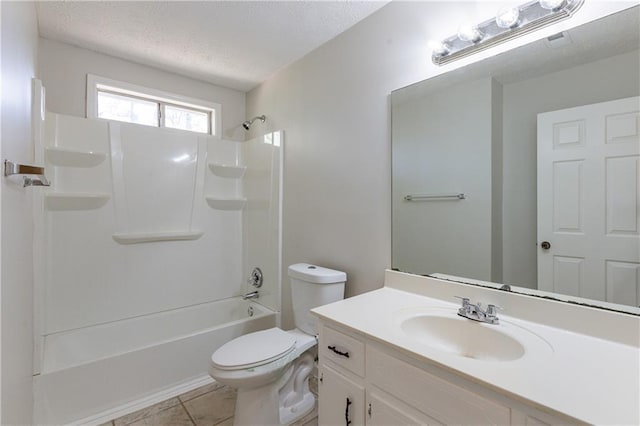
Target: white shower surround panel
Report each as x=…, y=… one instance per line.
x=262, y=187
x=92, y=279
x=158, y=179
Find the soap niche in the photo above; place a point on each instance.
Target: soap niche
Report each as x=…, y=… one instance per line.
x=225, y=179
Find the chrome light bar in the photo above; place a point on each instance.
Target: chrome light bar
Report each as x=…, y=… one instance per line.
x=508, y=25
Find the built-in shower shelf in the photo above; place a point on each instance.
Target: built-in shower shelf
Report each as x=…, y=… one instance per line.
x=226, y=170
x=73, y=158
x=157, y=236
x=226, y=203
x=75, y=200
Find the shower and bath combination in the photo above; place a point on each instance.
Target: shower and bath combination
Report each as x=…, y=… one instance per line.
x=203, y=203
x=247, y=124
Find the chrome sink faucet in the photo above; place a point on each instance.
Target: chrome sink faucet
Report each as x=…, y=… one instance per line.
x=476, y=313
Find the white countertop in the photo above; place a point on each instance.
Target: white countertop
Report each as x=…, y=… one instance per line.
x=591, y=379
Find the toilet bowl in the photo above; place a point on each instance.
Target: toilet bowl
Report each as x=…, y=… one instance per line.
x=271, y=368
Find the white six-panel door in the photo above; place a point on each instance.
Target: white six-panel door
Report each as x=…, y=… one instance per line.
x=589, y=201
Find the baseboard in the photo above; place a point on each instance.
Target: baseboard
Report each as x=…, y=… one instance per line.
x=144, y=402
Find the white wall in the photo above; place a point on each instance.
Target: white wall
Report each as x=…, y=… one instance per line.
x=333, y=105
x=19, y=54
x=63, y=69
x=576, y=86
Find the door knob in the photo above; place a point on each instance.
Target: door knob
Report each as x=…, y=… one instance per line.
x=546, y=245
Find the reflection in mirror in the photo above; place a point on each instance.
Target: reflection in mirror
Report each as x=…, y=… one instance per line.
x=544, y=143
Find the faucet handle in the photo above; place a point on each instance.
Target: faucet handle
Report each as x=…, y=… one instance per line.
x=465, y=300
x=465, y=307
x=493, y=309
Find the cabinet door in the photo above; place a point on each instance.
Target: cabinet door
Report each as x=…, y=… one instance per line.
x=341, y=401
x=439, y=399
x=382, y=411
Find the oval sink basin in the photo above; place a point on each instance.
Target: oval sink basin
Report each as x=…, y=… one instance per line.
x=463, y=337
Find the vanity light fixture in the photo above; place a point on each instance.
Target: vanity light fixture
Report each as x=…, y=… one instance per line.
x=470, y=33
x=508, y=18
x=439, y=48
x=551, y=4
x=508, y=24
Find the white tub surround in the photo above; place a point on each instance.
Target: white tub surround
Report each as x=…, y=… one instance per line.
x=97, y=373
x=136, y=280
x=578, y=364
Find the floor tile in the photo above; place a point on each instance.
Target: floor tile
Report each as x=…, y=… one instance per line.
x=200, y=391
x=313, y=415
x=213, y=407
x=228, y=422
x=174, y=416
x=312, y=422
x=313, y=385
x=146, y=412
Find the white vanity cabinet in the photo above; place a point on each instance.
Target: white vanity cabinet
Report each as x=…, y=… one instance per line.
x=340, y=379
x=363, y=382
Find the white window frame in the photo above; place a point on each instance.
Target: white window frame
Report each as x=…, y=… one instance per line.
x=96, y=83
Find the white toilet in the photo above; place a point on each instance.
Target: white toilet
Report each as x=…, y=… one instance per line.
x=271, y=368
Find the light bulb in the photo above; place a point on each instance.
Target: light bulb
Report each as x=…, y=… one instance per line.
x=439, y=48
x=469, y=33
x=551, y=4
x=508, y=18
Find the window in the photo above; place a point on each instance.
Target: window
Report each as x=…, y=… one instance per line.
x=115, y=100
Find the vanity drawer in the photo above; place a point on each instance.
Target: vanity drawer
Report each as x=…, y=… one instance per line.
x=342, y=350
x=435, y=397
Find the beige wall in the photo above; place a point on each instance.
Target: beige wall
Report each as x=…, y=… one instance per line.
x=19, y=54
x=63, y=69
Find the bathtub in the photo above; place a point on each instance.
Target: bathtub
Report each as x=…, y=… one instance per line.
x=96, y=373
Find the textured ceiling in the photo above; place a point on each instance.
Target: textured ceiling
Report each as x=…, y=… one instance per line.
x=236, y=44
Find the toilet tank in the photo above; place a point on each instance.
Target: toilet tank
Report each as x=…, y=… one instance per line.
x=313, y=286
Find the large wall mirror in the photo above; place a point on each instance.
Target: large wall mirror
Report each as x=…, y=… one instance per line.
x=524, y=168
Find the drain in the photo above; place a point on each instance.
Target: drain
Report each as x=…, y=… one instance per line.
x=250, y=311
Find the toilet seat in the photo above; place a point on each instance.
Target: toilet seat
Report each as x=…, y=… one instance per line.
x=253, y=350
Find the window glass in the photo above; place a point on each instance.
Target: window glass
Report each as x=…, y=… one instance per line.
x=125, y=108
x=122, y=101
x=186, y=119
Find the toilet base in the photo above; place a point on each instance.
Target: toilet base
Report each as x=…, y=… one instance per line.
x=292, y=414
x=280, y=403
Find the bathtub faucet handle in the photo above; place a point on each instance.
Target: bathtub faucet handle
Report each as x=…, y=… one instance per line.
x=255, y=278
x=251, y=295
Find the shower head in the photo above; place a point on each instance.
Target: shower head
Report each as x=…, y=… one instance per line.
x=247, y=124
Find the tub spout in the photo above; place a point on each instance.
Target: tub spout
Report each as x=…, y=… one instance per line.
x=252, y=295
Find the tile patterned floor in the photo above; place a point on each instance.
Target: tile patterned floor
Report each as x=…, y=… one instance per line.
x=210, y=405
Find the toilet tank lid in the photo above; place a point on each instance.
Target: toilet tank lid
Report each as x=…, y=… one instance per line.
x=316, y=274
